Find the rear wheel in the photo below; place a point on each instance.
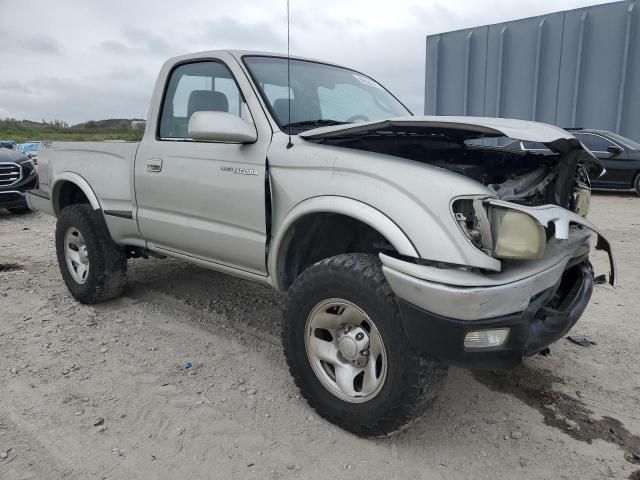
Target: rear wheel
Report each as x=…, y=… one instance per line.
x=347, y=350
x=92, y=265
x=636, y=184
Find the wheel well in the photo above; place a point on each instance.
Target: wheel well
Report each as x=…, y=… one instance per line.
x=69, y=194
x=323, y=235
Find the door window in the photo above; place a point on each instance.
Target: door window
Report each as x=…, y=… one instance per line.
x=198, y=86
x=595, y=143
x=534, y=146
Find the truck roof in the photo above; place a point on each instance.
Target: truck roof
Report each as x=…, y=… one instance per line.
x=238, y=54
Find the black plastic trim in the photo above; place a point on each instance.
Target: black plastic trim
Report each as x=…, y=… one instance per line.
x=549, y=316
x=119, y=213
x=39, y=194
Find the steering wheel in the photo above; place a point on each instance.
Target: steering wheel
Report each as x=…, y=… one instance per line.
x=357, y=117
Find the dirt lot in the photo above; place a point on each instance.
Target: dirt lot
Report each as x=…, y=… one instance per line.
x=102, y=392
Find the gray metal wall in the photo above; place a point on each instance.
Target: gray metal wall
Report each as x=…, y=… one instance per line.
x=579, y=68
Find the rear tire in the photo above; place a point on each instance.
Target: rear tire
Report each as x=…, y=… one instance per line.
x=636, y=184
x=409, y=381
x=92, y=265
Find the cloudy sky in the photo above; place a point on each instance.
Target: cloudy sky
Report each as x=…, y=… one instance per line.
x=78, y=60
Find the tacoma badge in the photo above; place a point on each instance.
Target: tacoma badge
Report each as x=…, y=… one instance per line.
x=240, y=171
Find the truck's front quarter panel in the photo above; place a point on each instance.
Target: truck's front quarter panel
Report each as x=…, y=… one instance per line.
x=415, y=197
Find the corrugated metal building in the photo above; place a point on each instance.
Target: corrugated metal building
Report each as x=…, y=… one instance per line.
x=578, y=68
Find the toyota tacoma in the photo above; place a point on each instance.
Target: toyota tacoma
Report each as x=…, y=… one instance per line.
x=404, y=243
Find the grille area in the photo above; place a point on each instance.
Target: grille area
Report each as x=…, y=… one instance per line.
x=10, y=173
x=9, y=197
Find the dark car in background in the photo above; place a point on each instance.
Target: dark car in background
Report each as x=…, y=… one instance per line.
x=619, y=155
x=17, y=175
x=10, y=144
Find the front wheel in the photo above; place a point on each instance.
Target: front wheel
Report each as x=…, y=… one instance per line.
x=92, y=265
x=347, y=350
x=636, y=184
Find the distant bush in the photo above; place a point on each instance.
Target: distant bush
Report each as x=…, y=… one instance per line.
x=24, y=130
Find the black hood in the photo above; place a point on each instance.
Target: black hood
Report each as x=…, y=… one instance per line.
x=7, y=155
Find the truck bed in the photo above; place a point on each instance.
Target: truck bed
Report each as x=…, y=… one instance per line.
x=98, y=163
x=104, y=169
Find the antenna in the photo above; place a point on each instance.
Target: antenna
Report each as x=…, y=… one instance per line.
x=289, y=145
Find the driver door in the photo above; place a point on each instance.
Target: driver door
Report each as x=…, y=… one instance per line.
x=203, y=200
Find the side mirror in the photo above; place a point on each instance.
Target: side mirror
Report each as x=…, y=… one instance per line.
x=613, y=149
x=220, y=127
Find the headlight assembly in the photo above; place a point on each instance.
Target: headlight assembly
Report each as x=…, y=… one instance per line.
x=500, y=232
x=516, y=235
x=471, y=216
x=28, y=164
x=582, y=200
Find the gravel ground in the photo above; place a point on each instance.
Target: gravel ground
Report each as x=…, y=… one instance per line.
x=102, y=392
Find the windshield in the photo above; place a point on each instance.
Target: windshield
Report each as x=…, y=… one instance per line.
x=29, y=147
x=320, y=94
x=625, y=141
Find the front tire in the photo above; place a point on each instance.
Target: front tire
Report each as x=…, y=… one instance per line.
x=636, y=184
x=92, y=265
x=348, y=352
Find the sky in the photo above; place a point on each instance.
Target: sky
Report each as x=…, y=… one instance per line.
x=79, y=60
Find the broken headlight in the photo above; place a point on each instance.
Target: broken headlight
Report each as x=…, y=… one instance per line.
x=582, y=200
x=516, y=235
x=471, y=216
x=28, y=165
x=500, y=232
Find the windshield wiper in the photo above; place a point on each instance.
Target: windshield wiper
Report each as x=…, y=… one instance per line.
x=314, y=123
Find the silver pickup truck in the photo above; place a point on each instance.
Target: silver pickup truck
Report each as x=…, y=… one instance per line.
x=404, y=243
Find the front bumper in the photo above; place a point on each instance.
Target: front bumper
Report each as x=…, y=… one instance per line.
x=12, y=199
x=13, y=196
x=547, y=318
x=468, y=295
x=538, y=301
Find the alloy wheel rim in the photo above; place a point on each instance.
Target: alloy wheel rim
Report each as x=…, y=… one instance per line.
x=76, y=255
x=345, y=350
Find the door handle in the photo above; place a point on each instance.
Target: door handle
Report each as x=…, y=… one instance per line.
x=154, y=165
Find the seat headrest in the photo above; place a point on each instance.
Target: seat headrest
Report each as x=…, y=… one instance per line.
x=301, y=110
x=207, y=100
x=281, y=109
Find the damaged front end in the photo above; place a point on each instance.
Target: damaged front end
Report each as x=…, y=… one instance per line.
x=509, y=231
x=530, y=220
x=533, y=195
x=533, y=205
x=484, y=150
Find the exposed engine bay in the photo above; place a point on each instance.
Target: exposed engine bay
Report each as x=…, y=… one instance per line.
x=558, y=174
x=537, y=175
